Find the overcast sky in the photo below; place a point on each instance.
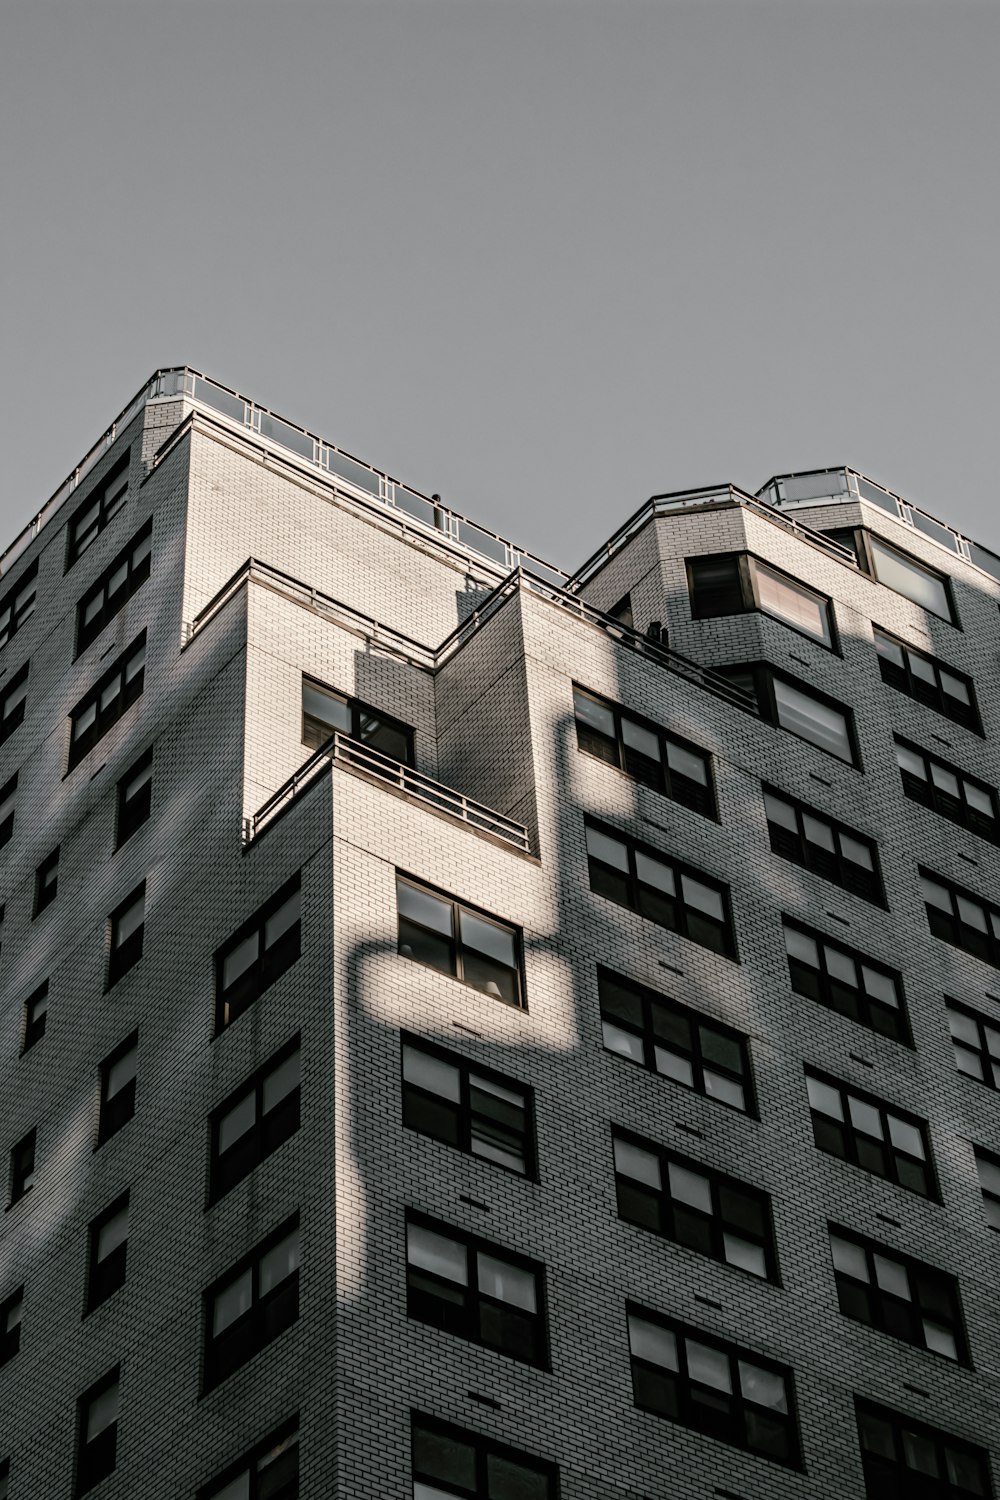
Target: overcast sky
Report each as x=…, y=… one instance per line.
x=546, y=257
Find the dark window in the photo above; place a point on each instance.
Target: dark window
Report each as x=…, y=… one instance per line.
x=108, y=1250
x=622, y=611
x=845, y=980
x=809, y=715
x=475, y=1109
x=22, y=1167
x=252, y=1304
x=988, y=1170
x=325, y=712
x=257, y=954
x=255, y=1120
x=8, y=793
x=118, y=1073
x=36, y=1010
x=935, y=783
x=107, y=700
x=906, y=1460
x=4, y=1477
x=864, y=1131
x=18, y=604
x=852, y=538
x=46, y=882
x=13, y=700
x=97, y=1432
x=733, y=583
x=694, y=1205
x=11, y=1310
x=724, y=1391
x=448, y=1460
x=915, y=581
x=460, y=940
x=476, y=1290
x=838, y=853
x=660, y=888
x=898, y=1295
x=959, y=917
x=976, y=1040
x=672, y=1040
x=134, y=797
x=640, y=748
x=128, y=922
x=928, y=680
x=104, y=501
x=122, y=578
x=270, y=1471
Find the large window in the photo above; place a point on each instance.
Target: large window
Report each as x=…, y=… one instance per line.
x=719, y=1389
x=270, y=1471
x=107, y=700
x=108, y=1252
x=123, y=577
x=252, y=1304
x=906, y=1460
x=694, y=1205
x=128, y=927
x=456, y=939
x=914, y=580
x=945, y=689
x=959, y=917
x=449, y=1461
x=484, y=1113
x=13, y=702
x=117, y=1102
x=937, y=784
x=732, y=583
x=643, y=750
x=101, y=505
x=976, y=1040
x=325, y=712
x=660, y=888
x=838, y=853
x=255, y=1120
x=898, y=1295
x=8, y=797
x=808, y=715
x=97, y=1432
x=258, y=953
x=988, y=1170
x=845, y=980
x=18, y=604
x=475, y=1289
x=866, y=1132
x=680, y=1044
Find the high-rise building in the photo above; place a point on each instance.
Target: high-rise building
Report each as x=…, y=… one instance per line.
x=471, y=1030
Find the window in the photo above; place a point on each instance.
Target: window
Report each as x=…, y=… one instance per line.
x=13, y=701
x=907, y=1460
x=36, y=1010
x=456, y=939
x=108, y=1236
x=255, y=1120
x=270, y=1471
x=694, y=1205
x=672, y=1040
x=128, y=921
x=4, y=1477
x=721, y=1390
x=134, y=797
x=976, y=1040
x=325, y=712
x=808, y=715
x=108, y=700
x=898, y=1295
x=958, y=917
x=260, y=951
x=864, y=1131
x=104, y=501
x=97, y=1432
x=18, y=604
x=853, y=539
x=945, y=689
x=477, y=1110
x=733, y=583
x=11, y=1309
x=122, y=578
x=845, y=980
x=644, y=751
x=447, y=1461
x=915, y=581
x=22, y=1168
x=838, y=853
x=118, y=1073
x=252, y=1304
x=660, y=888
x=946, y=789
x=988, y=1168
x=8, y=793
x=476, y=1290
x=46, y=882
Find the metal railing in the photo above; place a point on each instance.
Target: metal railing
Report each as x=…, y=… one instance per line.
x=339, y=749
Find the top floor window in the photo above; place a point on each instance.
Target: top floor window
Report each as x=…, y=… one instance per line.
x=123, y=577
x=18, y=604
x=101, y=505
x=914, y=580
x=643, y=750
x=945, y=689
x=447, y=935
x=733, y=583
x=325, y=712
x=807, y=714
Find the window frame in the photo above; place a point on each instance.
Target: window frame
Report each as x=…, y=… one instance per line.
x=904, y=680
x=826, y=986
x=277, y=1443
x=46, y=891
x=745, y=587
x=106, y=1275
x=129, y=819
x=984, y=945
x=874, y=540
x=32, y=1032
x=22, y=1174
x=125, y=953
x=130, y=690
x=458, y=947
x=108, y=506
x=881, y=1301
x=632, y=763
x=18, y=617
x=136, y=574
x=956, y=809
x=272, y=960
x=11, y=718
x=835, y=866
x=483, y=1448
x=885, y=1113
x=257, y=1326
x=270, y=1129
x=988, y=1076
x=8, y=793
x=357, y=710
x=463, y=1108
x=899, y=1473
x=93, y=1466
x=763, y=677
x=10, y=1338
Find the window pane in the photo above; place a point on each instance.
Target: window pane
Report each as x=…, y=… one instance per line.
x=130, y=921
x=934, y=894
x=954, y=687
x=879, y=986
x=690, y=1187
x=702, y=896
x=632, y=1161
x=650, y=1341
x=444, y=1456
x=865, y=1117
x=326, y=706
x=654, y=873
x=486, y=937
x=745, y=1254
x=433, y=1252
x=640, y=739
x=812, y=720
x=280, y=1083
x=422, y=907
x=781, y=812
x=102, y=1411
x=686, y=763
x=798, y=945
x=280, y=1263
x=122, y=1072
x=610, y=851
x=892, y=1277
x=285, y=917
x=626, y=1043
x=509, y=1480
x=594, y=714
x=671, y=1065
x=909, y=579
x=112, y=1234
x=910, y=762
x=791, y=602
x=432, y=1074
x=498, y=1278
x=849, y=1258
x=231, y=1302
x=763, y=1387
x=236, y=1489
x=906, y=1137
x=239, y=960
x=824, y=1098
x=237, y=1122
x=709, y=1366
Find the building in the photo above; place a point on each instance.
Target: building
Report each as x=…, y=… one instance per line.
x=473, y=1031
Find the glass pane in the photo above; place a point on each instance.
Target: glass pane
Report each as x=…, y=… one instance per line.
x=654, y=873
x=945, y=780
x=444, y=1456
x=892, y=1277
x=906, y=1137
x=102, y=1411
x=285, y=917
x=236, y=1489
x=934, y=894
x=608, y=850
x=865, y=1117
x=509, y=1480
x=889, y=649
x=811, y=720
x=791, y=602
x=964, y=1027
x=703, y=897
x=709, y=1366
x=763, y=1387
x=824, y=1099
x=650, y=1341
x=329, y=708
x=632, y=1161
x=726, y=1090
x=841, y=966
x=909, y=579
x=240, y=959
x=487, y=937
x=640, y=739
x=940, y=1340
x=625, y=1043
x=437, y=1254
x=857, y=852
x=280, y=1263
x=112, y=1234
x=819, y=833
x=280, y=1083
x=479, y=1085
x=909, y=761
x=672, y=1065
x=965, y=1471
x=781, y=812
x=231, y=1303
x=122, y=1072
x=849, y=1259
x=594, y=714
x=989, y=1174
x=508, y=1283
x=979, y=800
x=955, y=687
x=798, y=945
x=686, y=763
x=130, y=920
x=690, y=1187
x=421, y=906
x=137, y=782
x=920, y=1452
x=921, y=668
x=880, y=986
x=745, y=1254
x=237, y=1122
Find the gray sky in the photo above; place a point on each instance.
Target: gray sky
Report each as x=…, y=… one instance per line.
x=543, y=256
